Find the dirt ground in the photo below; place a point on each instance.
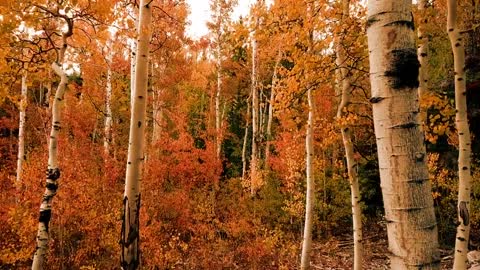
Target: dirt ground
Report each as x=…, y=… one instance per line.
x=337, y=253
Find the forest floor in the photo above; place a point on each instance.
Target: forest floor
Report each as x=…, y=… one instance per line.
x=337, y=253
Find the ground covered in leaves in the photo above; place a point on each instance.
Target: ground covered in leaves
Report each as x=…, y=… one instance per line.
x=337, y=252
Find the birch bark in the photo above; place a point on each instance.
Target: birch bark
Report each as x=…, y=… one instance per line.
x=464, y=139
x=21, y=128
x=406, y=190
x=346, y=89
x=130, y=246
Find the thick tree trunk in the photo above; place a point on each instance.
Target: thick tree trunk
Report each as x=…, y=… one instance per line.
x=108, y=108
x=346, y=89
x=411, y=224
x=130, y=246
x=271, y=108
x=133, y=60
x=53, y=172
x=310, y=198
x=464, y=140
x=21, y=128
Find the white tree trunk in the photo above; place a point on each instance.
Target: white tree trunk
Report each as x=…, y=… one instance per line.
x=53, y=172
x=254, y=174
x=464, y=140
x=21, y=128
x=108, y=108
x=310, y=198
x=271, y=108
x=130, y=248
x=352, y=166
x=406, y=190
x=133, y=60
x=218, y=114
x=245, y=139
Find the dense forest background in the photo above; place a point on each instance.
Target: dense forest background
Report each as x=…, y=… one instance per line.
x=202, y=206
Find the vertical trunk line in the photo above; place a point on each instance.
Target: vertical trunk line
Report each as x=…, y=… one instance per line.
x=346, y=89
x=130, y=246
x=464, y=140
x=21, y=128
x=307, y=233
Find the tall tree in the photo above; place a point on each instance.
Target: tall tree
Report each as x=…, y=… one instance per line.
x=406, y=190
x=464, y=140
x=346, y=92
x=310, y=197
x=130, y=246
x=53, y=170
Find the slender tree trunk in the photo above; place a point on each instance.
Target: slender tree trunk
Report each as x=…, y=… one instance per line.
x=423, y=49
x=21, y=128
x=406, y=190
x=53, y=172
x=310, y=198
x=218, y=116
x=108, y=108
x=130, y=246
x=245, y=139
x=271, y=108
x=352, y=166
x=464, y=140
x=254, y=160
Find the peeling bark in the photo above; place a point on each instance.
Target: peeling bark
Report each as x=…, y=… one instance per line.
x=406, y=190
x=130, y=246
x=464, y=139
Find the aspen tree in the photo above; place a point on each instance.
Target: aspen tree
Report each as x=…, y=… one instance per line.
x=130, y=246
x=270, y=107
x=255, y=106
x=245, y=140
x=309, y=151
x=310, y=198
x=352, y=166
x=464, y=140
x=53, y=170
x=108, y=98
x=406, y=190
x=21, y=127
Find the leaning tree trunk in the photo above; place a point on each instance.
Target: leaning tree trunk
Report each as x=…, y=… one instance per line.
x=464, y=140
x=406, y=190
x=130, y=246
x=53, y=171
x=352, y=166
x=21, y=128
x=310, y=198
